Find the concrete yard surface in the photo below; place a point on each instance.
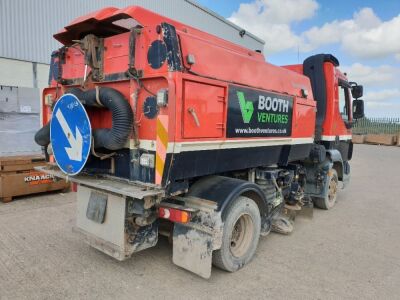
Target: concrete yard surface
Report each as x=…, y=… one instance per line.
x=350, y=252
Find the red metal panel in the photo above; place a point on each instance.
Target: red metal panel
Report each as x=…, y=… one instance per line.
x=217, y=61
x=247, y=68
x=148, y=127
x=116, y=53
x=203, y=110
x=74, y=65
x=303, y=118
x=334, y=124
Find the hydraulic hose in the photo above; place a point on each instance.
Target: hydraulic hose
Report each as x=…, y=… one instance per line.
x=122, y=118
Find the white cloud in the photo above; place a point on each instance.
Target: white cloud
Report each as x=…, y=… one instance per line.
x=381, y=87
x=382, y=96
x=380, y=41
x=334, y=32
x=383, y=103
x=373, y=77
x=271, y=20
x=363, y=36
x=382, y=109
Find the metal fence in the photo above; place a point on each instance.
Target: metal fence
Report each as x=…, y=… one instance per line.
x=377, y=126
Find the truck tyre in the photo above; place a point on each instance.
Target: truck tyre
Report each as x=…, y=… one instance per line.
x=330, y=199
x=242, y=225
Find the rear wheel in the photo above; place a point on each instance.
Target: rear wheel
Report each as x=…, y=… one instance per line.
x=330, y=199
x=241, y=234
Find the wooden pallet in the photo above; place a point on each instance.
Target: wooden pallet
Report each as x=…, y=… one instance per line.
x=380, y=139
x=18, y=177
x=20, y=163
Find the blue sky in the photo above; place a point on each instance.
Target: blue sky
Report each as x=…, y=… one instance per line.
x=329, y=9
x=364, y=35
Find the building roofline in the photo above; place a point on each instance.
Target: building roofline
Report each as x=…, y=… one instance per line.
x=226, y=21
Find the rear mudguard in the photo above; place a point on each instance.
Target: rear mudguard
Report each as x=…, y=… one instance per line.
x=223, y=190
x=194, y=242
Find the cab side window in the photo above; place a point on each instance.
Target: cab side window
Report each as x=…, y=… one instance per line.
x=343, y=103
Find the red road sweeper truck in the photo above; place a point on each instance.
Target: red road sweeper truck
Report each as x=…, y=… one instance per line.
x=168, y=130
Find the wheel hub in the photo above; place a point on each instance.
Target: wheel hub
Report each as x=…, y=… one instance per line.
x=242, y=235
x=332, y=191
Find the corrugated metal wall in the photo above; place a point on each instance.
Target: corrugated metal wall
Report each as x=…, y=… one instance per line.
x=27, y=26
x=19, y=120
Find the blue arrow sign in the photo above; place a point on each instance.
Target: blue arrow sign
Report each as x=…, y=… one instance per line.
x=70, y=134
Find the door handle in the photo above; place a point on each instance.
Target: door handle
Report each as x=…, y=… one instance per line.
x=194, y=115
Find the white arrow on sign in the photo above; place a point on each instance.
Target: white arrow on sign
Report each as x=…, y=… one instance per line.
x=75, y=152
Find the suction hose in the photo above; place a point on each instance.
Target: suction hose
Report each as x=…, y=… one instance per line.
x=42, y=137
x=122, y=118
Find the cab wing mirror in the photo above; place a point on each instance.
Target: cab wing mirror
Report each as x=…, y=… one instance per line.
x=357, y=91
x=358, y=109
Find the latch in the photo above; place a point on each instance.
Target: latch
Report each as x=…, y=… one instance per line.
x=194, y=115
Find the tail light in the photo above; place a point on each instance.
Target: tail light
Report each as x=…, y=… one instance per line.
x=174, y=215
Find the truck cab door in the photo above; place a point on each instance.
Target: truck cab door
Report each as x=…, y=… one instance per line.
x=344, y=102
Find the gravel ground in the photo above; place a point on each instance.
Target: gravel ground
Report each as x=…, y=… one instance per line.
x=351, y=252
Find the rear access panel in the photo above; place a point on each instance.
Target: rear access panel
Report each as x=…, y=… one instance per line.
x=203, y=110
x=102, y=218
x=106, y=233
